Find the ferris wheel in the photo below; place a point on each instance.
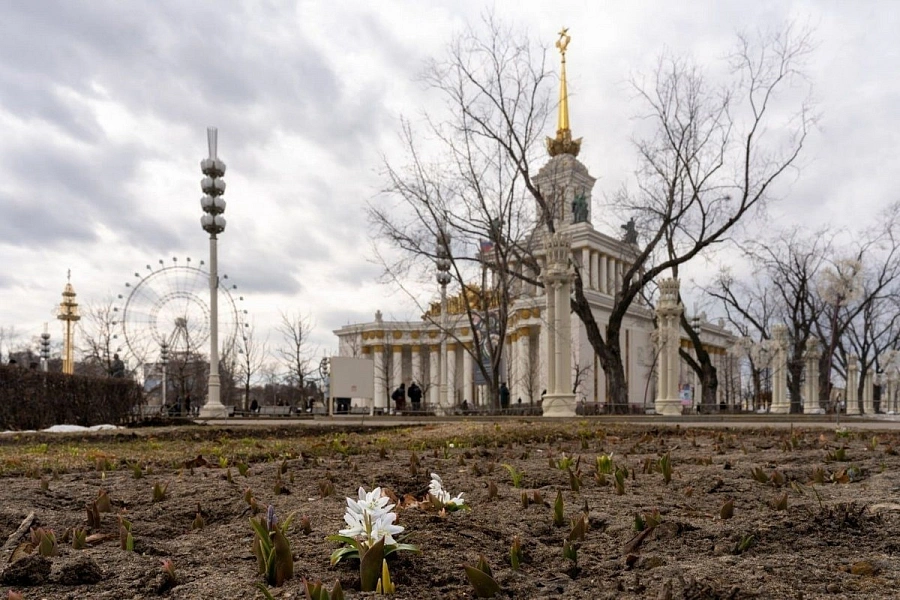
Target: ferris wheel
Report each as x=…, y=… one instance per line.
x=168, y=306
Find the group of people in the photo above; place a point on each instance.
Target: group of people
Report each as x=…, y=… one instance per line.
x=414, y=393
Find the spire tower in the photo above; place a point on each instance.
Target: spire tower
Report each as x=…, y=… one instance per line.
x=68, y=313
x=563, y=142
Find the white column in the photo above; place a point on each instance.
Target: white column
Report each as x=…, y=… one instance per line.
x=668, y=312
x=780, y=403
x=674, y=360
x=811, y=387
x=587, y=281
x=560, y=348
x=620, y=272
x=595, y=271
x=525, y=377
x=467, y=376
x=451, y=375
x=604, y=274
x=417, y=374
x=852, y=392
x=380, y=395
x=550, y=367
x=397, y=367
x=868, y=394
x=662, y=365
x=434, y=375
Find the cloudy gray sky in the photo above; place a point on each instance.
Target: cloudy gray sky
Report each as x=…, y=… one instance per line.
x=104, y=105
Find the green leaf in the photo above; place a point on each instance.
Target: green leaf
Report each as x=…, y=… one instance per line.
x=337, y=593
x=484, y=584
x=370, y=566
x=344, y=539
x=483, y=566
x=342, y=553
x=388, y=550
x=284, y=561
x=265, y=591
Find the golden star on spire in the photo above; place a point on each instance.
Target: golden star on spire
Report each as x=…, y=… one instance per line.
x=563, y=142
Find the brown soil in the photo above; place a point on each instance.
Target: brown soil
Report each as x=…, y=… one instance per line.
x=835, y=539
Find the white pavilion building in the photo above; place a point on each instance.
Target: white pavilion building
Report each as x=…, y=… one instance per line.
x=405, y=351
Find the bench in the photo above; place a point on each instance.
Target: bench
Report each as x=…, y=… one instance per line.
x=274, y=411
x=143, y=411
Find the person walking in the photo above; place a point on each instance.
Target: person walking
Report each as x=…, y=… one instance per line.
x=399, y=397
x=504, y=396
x=415, y=396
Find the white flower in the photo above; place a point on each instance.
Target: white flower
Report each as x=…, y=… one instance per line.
x=436, y=490
x=384, y=527
x=369, y=518
x=374, y=502
x=357, y=526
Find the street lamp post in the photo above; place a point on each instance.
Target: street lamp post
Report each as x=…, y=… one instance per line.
x=45, y=350
x=164, y=361
x=443, y=278
x=213, y=223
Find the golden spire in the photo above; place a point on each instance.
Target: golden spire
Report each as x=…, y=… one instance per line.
x=563, y=142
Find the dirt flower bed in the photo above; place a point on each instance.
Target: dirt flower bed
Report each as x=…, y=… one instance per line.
x=599, y=511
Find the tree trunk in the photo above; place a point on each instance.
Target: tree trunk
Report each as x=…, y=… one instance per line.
x=615, y=379
x=709, y=382
x=794, y=383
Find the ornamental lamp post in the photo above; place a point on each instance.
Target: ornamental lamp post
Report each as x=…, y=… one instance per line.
x=213, y=223
x=45, y=350
x=443, y=278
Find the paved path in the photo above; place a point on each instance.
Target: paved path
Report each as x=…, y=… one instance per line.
x=882, y=422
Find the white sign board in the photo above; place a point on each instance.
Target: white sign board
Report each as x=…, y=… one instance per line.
x=352, y=377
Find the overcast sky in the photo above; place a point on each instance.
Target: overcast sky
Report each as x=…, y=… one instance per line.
x=104, y=108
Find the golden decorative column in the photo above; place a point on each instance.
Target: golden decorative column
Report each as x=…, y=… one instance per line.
x=68, y=313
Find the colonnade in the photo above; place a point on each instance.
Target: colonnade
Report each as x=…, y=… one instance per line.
x=601, y=272
x=412, y=359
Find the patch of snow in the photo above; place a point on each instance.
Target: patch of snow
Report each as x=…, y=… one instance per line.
x=67, y=429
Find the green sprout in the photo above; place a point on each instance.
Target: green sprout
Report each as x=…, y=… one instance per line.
x=482, y=579
x=516, y=475
x=126, y=540
x=79, y=538
x=160, y=491
x=665, y=467
x=620, y=475
x=271, y=548
x=605, y=464
x=44, y=541
x=515, y=553
x=385, y=586
x=559, y=518
x=317, y=591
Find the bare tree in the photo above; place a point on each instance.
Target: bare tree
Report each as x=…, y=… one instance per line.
x=708, y=164
x=786, y=267
x=252, y=354
x=9, y=337
x=296, y=352
x=469, y=200
x=858, y=292
x=98, y=338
